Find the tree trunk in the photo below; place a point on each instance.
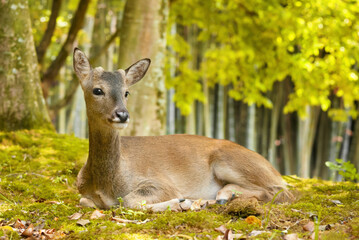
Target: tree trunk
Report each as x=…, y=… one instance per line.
x=307, y=130
x=354, y=148
x=277, y=95
x=241, y=114
x=98, y=36
x=264, y=138
x=322, y=146
x=289, y=128
x=215, y=110
x=251, y=128
x=143, y=34
x=22, y=105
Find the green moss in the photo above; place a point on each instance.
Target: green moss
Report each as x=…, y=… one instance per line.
x=38, y=172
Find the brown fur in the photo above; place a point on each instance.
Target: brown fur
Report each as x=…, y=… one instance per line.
x=161, y=169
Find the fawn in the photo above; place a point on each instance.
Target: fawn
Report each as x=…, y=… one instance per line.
x=164, y=171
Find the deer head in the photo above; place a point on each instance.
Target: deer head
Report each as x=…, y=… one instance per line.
x=106, y=92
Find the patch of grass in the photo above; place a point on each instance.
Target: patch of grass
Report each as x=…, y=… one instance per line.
x=37, y=184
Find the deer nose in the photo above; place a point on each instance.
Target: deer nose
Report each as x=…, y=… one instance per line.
x=122, y=115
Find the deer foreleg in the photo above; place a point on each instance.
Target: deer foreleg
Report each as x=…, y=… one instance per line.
x=155, y=195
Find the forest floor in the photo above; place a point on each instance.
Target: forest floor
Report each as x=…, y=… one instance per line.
x=39, y=200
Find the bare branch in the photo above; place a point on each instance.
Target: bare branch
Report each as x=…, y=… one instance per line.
x=46, y=38
x=76, y=25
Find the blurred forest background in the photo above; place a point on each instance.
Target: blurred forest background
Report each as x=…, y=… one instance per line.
x=277, y=76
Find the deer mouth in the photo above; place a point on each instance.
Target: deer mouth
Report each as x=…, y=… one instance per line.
x=116, y=123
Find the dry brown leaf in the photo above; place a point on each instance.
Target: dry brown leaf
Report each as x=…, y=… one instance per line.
x=292, y=236
x=19, y=224
x=54, y=202
x=221, y=229
x=29, y=231
x=238, y=235
x=228, y=235
x=121, y=220
x=75, y=216
x=196, y=205
x=309, y=227
x=97, y=214
x=253, y=220
x=256, y=233
x=83, y=222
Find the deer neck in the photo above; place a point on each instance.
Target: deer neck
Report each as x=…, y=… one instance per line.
x=104, y=152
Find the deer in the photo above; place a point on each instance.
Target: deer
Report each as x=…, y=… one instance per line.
x=168, y=171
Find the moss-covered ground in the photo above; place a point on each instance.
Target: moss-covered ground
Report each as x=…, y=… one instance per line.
x=38, y=169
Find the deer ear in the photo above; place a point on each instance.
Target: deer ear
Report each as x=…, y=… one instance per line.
x=136, y=71
x=81, y=65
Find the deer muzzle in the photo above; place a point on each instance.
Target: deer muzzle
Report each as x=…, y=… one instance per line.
x=120, y=119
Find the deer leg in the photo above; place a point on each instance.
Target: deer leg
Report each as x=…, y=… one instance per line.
x=157, y=196
x=86, y=202
x=176, y=205
x=233, y=190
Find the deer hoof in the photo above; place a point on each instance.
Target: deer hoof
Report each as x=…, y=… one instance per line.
x=221, y=201
x=86, y=202
x=185, y=204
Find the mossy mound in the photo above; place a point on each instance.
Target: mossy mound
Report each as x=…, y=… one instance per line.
x=37, y=175
x=243, y=208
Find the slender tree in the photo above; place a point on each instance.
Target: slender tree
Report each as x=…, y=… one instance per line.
x=143, y=34
x=22, y=104
x=77, y=22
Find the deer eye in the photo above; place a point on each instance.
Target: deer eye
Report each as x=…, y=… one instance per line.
x=98, y=91
x=127, y=93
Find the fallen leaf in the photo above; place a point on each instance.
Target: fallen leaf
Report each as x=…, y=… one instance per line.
x=196, y=205
x=56, y=218
x=238, y=235
x=121, y=220
x=253, y=220
x=296, y=210
x=83, y=222
x=97, y=214
x=75, y=216
x=309, y=227
x=143, y=222
x=292, y=236
x=228, y=235
x=337, y=202
x=19, y=224
x=256, y=233
x=29, y=231
x=54, y=202
x=221, y=229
